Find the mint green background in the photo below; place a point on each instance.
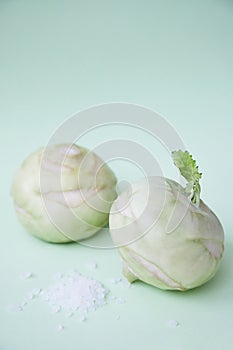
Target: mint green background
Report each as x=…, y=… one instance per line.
x=58, y=57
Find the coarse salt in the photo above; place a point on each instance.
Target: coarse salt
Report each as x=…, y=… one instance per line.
x=120, y=300
x=125, y=283
x=30, y=296
x=60, y=328
x=82, y=318
x=56, y=309
x=173, y=323
x=15, y=308
x=26, y=275
x=115, y=280
x=36, y=291
x=92, y=265
x=58, y=275
x=71, y=294
x=75, y=293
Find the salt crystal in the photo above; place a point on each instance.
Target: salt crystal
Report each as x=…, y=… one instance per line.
x=15, y=308
x=92, y=265
x=56, y=309
x=82, y=318
x=30, y=296
x=120, y=300
x=26, y=275
x=173, y=323
x=115, y=280
x=60, y=328
x=58, y=276
x=36, y=291
x=117, y=317
x=125, y=283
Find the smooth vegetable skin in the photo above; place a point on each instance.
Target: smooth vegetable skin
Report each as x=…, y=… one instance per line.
x=63, y=193
x=165, y=234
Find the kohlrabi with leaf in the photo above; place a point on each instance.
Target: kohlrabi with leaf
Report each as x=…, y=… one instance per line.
x=63, y=193
x=165, y=234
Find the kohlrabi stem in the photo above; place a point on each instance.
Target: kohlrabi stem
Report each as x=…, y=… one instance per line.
x=189, y=170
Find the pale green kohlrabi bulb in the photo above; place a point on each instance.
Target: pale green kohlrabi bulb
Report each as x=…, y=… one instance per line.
x=165, y=234
x=63, y=193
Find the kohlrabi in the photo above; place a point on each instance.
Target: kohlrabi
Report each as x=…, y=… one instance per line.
x=166, y=235
x=63, y=193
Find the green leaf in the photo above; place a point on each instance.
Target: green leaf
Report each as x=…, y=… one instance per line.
x=184, y=161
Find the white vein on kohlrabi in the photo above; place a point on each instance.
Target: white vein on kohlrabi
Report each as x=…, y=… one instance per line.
x=188, y=255
x=63, y=193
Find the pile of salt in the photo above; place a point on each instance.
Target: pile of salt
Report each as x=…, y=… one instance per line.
x=75, y=293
